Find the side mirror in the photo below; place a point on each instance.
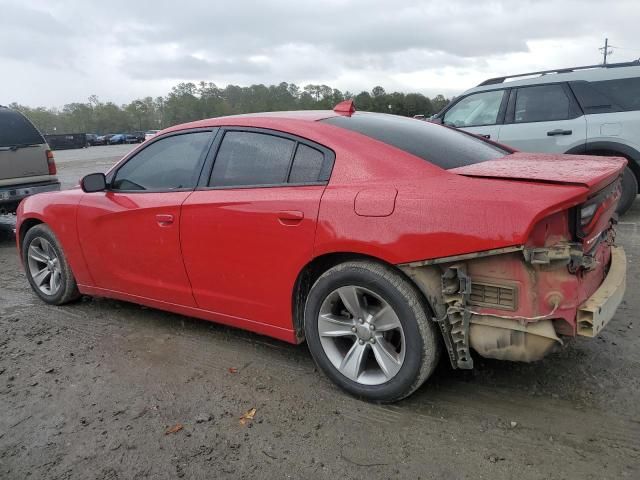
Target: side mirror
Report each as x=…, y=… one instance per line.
x=435, y=119
x=94, y=182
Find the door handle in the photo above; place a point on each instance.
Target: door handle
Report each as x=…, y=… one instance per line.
x=164, y=220
x=484, y=135
x=290, y=217
x=558, y=131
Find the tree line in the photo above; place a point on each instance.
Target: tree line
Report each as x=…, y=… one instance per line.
x=189, y=101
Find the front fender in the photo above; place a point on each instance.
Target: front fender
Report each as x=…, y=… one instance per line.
x=58, y=210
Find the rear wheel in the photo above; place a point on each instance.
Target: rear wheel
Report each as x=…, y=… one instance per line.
x=47, y=268
x=367, y=328
x=629, y=191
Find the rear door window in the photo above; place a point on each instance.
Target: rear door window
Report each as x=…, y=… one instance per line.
x=307, y=165
x=252, y=158
x=15, y=129
x=542, y=103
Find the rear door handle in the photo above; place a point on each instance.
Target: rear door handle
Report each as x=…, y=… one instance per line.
x=484, y=135
x=558, y=131
x=164, y=219
x=290, y=217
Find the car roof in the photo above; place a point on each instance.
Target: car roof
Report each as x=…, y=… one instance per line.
x=592, y=74
x=258, y=119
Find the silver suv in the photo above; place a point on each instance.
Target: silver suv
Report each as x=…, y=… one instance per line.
x=593, y=110
x=26, y=161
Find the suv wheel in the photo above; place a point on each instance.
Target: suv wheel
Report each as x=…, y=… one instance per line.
x=367, y=328
x=629, y=191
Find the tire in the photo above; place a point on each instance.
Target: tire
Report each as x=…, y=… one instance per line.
x=42, y=252
x=629, y=191
x=386, y=299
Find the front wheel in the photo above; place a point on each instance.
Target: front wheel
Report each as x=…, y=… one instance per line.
x=368, y=329
x=47, y=268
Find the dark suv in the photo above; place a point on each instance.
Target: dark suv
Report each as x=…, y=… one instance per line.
x=26, y=161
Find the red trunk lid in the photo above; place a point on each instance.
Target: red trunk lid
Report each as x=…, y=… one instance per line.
x=588, y=171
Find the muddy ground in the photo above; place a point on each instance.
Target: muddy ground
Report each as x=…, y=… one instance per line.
x=91, y=389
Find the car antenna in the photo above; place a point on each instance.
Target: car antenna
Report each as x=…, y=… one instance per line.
x=346, y=107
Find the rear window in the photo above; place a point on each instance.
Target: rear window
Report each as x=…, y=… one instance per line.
x=15, y=129
x=606, y=96
x=442, y=146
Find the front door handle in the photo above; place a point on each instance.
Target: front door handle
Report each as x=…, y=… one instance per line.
x=164, y=219
x=290, y=217
x=558, y=131
x=485, y=135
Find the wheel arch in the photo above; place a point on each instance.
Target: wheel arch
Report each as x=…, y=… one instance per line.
x=26, y=225
x=320, y=264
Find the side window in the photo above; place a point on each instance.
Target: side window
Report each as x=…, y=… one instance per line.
x=168, y=164
x=541, y=103
x=307, y=165
x=250, y=158
x=618, y=95
x=476, y=109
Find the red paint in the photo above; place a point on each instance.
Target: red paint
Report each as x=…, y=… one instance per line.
x=131, y=245
x=589, y=171
x=346, y=107
x=244, y=248
x=233, y=255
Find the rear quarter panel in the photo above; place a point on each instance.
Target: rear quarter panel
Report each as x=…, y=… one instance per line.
x=439, y=215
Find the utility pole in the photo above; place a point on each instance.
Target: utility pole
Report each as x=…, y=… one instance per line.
x=605, y=50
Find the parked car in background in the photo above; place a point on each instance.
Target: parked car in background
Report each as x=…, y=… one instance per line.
x=150, y=134
x=100, y=140
x=369, y=235
x=131, y=138
x=140, y=136
x=593, y=110
x=92, y=139
x=26, y=161
x=117, y=139
x=62, y=141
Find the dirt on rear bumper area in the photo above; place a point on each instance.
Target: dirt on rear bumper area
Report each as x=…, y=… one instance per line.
x=106, y=389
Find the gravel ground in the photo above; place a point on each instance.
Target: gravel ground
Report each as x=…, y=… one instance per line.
x=110, y=390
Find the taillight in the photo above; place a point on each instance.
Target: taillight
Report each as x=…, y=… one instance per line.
x=51, y=163
x=586, y=213
x=595, y=214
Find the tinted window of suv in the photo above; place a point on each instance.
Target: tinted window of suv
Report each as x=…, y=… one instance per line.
x=250, y=158
x=542, y=103
x=605, y=96
x=442, y=146
x=168, y=164
x=15, y=129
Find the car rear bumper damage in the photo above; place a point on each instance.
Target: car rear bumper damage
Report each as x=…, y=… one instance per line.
x=519, y=304
x=10, y=197
x=599, y=309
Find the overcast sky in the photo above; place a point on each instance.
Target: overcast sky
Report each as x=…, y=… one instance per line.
x=56, y=52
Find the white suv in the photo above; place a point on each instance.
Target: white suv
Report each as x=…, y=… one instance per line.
x=592, y=110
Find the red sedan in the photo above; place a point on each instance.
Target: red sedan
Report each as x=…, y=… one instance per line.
x=380, y=240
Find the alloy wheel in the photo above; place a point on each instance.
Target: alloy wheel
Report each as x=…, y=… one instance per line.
x=361, y=335
x=44, y=266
